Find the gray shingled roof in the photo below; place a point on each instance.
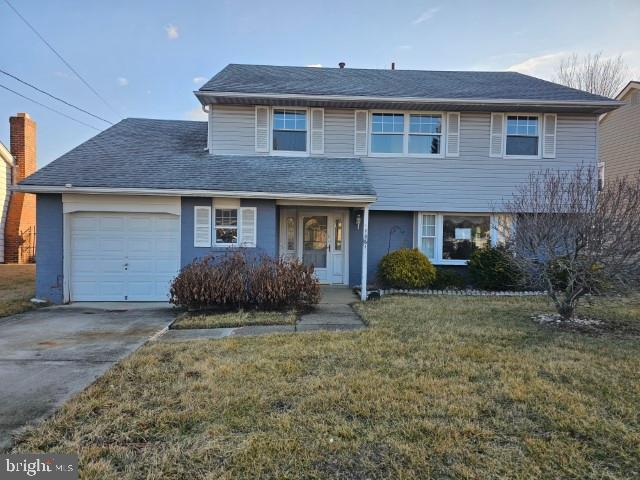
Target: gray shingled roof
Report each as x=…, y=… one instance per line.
x=390, y=83
x=168, y=154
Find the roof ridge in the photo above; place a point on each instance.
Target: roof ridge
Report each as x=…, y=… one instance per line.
x=367, y=68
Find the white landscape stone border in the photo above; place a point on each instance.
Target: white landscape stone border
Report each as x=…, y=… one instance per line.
x=466, y=292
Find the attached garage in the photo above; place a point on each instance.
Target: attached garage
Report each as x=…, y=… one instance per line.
x=120, y=255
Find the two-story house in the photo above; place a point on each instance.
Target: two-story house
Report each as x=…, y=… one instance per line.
x=620, y=136
x=334, y=166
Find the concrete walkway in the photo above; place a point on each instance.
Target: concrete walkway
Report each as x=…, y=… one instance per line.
x=334, y=312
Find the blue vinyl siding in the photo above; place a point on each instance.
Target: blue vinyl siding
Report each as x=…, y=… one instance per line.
x=266, y=228
x=49, y=241
x=388, y=231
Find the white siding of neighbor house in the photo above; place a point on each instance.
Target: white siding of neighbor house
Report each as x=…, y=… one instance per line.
x=471, y=182
x=5, y=183
x=620, y=138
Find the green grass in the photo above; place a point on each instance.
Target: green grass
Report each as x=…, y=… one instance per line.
x=17, y=288
x=438, y=387
x=233, y=319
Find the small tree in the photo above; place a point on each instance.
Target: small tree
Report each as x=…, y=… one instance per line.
x=571, y=239
x=593, y=73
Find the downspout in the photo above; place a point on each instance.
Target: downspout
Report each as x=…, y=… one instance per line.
x=365, y=241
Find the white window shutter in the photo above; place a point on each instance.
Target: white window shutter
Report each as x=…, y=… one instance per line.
x=361, y=118
x=453, y=134
x=248, y=226
x=317, y=130
x=497, y=131
x=202, y=226
x=549, y=136
x=262, y=129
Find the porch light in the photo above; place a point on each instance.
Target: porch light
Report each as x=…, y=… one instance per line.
x=358, y=221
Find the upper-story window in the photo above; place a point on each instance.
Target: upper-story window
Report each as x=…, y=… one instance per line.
x=523, y=136
x=387, y=133
x=289, y=130
x=406, y=134
x=425, y=133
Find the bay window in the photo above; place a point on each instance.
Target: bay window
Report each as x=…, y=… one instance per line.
x=451, y=239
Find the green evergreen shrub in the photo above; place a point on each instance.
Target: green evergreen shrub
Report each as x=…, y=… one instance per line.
x=492, y=268
x=448, y=279
x=406, y=268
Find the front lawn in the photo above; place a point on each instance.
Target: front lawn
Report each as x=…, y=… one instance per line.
x=17, y=287
x=233, y=319
x=443, y=387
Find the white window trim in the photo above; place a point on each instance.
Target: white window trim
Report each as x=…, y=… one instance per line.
x=505, y=121
x=214, y=243
x=439, y=241
x=405, y=134
x=290, y=153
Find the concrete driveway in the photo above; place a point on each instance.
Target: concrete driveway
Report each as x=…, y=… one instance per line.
x=48, y=355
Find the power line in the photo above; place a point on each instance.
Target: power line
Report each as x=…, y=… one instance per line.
x=49, y=108
x=54, y=97
x=61, y=58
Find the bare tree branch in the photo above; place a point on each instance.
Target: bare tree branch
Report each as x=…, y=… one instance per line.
x=570, y=239
x=593, y=73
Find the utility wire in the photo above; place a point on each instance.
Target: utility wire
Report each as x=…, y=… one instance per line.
x=54, y=97
x=61, y=57
x=49, y=108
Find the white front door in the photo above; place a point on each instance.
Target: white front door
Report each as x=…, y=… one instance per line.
x=123, y=256
x=322, y=244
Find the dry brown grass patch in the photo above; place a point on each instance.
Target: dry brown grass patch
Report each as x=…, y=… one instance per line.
x=17, y=287
x=436, y=387
x=241, y=318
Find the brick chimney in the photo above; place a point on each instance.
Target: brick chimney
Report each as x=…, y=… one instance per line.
x=19, y=232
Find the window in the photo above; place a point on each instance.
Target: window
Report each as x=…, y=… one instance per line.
x=428, y=236
x=450, y=239
x=522, y=135
x=337, y=240
x=226, y=225
x=600, y=177
x=387, y=133
x=461, y=235
x=425, y=132
x=291, y=233
x=289, y=130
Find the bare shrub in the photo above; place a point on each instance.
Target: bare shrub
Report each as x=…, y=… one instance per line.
x=237, y=280
x=572, y=240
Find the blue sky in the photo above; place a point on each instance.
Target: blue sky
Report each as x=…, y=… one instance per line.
x=147, y=57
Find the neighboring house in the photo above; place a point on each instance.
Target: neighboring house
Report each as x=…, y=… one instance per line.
x=332, y=166
x=6, y=175
x=620, y=136
x=17, y=209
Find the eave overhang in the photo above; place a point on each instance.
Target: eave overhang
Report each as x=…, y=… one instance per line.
x=408, y=103
x=355, y=199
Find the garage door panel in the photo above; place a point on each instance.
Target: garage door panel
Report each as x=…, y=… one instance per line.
x=102, y=244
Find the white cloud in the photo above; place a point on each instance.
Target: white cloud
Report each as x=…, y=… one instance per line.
x=172, y=32
x=199, y=80
x=122, y=82
x=426, y=15
x=542, y=66
x=316, y=65
x=195, y=114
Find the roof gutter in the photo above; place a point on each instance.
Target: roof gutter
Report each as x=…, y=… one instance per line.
x=203, y=96
x=192, y=193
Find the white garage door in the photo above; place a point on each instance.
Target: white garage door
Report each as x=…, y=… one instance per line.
x=123, y=256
